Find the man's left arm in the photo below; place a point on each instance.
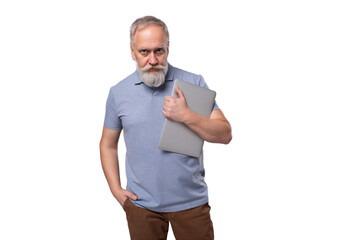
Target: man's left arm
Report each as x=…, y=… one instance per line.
x=215, y=129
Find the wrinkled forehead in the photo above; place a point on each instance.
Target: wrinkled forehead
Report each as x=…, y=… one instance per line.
x=150, y=35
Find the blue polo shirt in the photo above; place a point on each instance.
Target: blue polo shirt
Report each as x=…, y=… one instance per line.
x=162, y=181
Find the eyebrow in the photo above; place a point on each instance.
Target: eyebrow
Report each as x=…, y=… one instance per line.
x=143, y=48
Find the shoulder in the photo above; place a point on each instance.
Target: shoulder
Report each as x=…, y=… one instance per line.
x=187, y=76
x=125, y=85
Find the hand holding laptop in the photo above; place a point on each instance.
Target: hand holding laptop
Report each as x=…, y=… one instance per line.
x=175, y=108
x=176, y=136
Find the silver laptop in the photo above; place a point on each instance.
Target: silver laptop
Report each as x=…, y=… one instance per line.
x=177, y=137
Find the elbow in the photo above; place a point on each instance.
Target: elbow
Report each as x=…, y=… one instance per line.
x=228, y=135
x=227, y=139
x=101, y=145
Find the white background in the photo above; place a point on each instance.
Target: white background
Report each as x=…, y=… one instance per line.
x=287, y=78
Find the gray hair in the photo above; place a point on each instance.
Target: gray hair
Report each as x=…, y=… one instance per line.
x=140, y=23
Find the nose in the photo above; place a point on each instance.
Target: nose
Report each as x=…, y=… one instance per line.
x=152, y=59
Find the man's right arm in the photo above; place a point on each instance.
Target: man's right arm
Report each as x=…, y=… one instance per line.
x=110, y=164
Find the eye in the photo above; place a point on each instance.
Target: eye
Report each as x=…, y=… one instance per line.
x=159, y=51
x=143, y=51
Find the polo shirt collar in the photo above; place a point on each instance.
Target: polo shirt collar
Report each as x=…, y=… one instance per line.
x=169, y=75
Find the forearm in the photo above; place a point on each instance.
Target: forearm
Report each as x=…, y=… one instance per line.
x=215, y=129
x=110, y=165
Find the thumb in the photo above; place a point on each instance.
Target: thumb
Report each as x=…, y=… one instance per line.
x=131, y=195
x=179, y=92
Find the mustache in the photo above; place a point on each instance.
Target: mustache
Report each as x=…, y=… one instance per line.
x=149, y=67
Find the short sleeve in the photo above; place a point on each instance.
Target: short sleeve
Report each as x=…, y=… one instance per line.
x=202, y=83
x=112, y=120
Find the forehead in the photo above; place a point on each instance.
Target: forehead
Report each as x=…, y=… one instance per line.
x=150, y=36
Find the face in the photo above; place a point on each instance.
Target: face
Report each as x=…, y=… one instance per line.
x=150, y=52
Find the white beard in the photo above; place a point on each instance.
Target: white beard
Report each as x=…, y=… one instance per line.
x=154, y=79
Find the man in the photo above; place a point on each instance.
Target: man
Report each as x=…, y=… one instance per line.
x=162, y=187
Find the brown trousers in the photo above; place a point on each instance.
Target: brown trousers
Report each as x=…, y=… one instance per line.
x=191, y=224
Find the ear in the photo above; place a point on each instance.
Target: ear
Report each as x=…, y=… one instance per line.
x=132, y=52
x=168, y=49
